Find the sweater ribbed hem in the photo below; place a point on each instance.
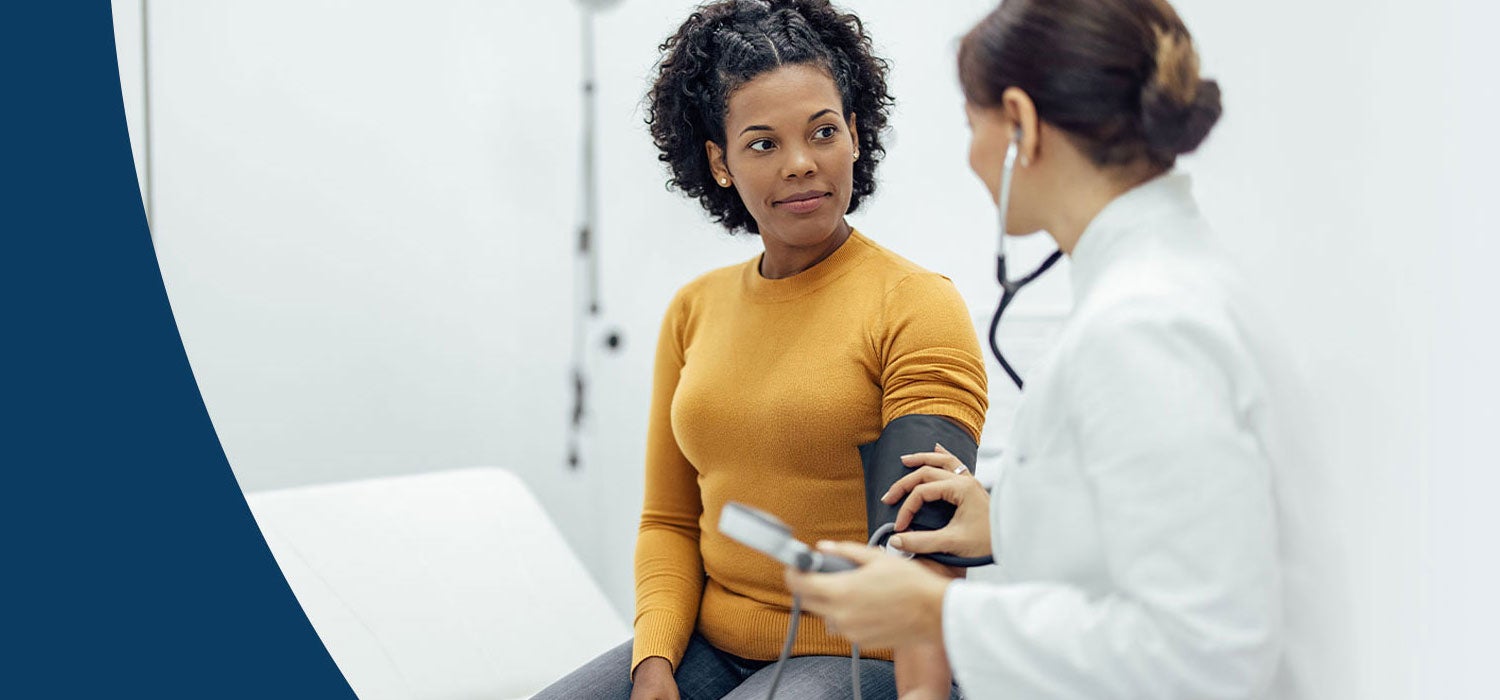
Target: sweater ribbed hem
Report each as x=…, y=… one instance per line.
x=755, y=630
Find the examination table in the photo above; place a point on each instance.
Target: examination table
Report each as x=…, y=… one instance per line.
x=446, y=585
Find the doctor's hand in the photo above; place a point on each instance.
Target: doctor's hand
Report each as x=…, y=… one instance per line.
x=888, y=601
x=940, y=476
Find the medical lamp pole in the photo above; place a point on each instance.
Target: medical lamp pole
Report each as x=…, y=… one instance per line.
x=586, y=268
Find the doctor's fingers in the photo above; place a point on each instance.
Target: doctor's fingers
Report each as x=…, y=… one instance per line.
x=942, y=459
x=958, y=539
x=952, y=489
x=907, y=483
x=966, y=535
x=816, y=590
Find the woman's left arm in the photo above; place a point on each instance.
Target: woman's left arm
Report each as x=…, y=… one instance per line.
x=929, y=354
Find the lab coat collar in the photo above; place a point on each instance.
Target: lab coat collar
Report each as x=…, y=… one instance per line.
x=1129, y=220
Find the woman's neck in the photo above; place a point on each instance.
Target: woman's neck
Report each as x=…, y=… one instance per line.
x=781, y=261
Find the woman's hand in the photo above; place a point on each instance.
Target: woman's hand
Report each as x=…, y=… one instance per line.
x=887, y=602
x=654, y=681
x=940, y=476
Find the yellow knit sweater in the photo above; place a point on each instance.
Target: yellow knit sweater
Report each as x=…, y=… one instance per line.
x=764, y=391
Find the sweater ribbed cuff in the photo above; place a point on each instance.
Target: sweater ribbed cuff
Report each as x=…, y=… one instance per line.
x=660, y=635
x=967, y=418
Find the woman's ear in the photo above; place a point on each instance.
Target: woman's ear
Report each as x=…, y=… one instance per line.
x=1021, y=112
x=716, y=163
x=854, y=132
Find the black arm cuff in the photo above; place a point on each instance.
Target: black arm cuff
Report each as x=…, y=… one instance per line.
x=883, y=467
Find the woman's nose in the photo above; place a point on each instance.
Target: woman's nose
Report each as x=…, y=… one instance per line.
x=799, y=163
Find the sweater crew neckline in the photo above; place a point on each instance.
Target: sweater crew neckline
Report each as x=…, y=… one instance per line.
x=848, y=256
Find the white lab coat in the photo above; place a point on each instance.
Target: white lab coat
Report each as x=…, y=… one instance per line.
x=1134, y=520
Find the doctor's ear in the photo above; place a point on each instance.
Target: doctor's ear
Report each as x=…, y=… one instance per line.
x=1021, y=111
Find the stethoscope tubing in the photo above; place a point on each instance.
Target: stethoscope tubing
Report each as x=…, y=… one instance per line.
x=1008, y=287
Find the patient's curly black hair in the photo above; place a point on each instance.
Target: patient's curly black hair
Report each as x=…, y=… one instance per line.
x=727, y=43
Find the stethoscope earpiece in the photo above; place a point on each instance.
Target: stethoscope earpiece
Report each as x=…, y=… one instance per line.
x=1009, y=287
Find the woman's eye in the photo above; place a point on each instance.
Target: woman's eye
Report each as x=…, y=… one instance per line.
x=761, y=145
x=826, y=132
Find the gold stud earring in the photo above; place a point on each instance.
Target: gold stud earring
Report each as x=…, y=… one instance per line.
x=856, y=155
x=724, y=181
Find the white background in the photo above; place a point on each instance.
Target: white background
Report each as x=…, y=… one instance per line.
x=364, y=214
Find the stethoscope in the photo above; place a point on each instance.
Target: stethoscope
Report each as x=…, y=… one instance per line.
x=1009, y=287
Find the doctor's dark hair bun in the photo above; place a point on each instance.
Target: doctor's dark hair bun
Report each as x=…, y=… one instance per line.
x=1178, y=108
x=1120, y=76
x=725, y=44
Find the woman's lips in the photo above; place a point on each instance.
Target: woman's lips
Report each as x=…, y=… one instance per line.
x=805, y=205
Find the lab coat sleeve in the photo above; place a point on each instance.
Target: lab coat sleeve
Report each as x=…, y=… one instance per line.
x=1182, y=487
x=668, y=562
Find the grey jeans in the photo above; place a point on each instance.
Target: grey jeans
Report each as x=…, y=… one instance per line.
x=706, y=673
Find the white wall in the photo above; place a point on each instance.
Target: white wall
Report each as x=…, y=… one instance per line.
x=350, y=203
x=1453, y=145
x=365, y=212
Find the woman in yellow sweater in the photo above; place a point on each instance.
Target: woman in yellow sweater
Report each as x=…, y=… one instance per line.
x=771, y=374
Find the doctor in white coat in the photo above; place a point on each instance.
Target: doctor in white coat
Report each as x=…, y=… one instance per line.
x=1135, y=520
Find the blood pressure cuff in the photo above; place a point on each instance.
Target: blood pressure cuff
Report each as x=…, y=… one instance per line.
x=883, y=467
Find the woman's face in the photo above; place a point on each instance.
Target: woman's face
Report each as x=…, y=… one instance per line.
x=790, y=154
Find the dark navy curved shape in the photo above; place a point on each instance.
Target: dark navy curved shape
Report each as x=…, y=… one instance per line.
x=130, y=564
